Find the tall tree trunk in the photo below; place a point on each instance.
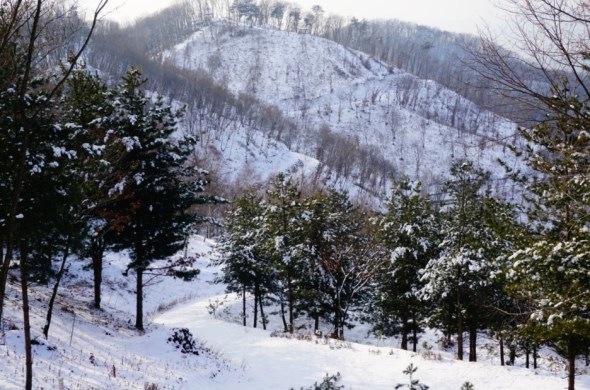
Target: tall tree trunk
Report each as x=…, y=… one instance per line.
x=1, y=266
x=5, y=268
x=261, y=311
x=139, y=267
x=26, y=317
x=256, y=305
x=527, y=356
x=244, y=304
x=291, y=305
x=58, y=277
x=404, y=333
x=511, y=353
x=571, y=363
x=96, y=254
x=139, y=299
x=336, y=323
x=535, y=356
x=502, y=363
x=4, y=278
x=460, y=339
x=415, y=336
x=459, y=327
x=286, y=327
x=414, y=333
x=473, y=343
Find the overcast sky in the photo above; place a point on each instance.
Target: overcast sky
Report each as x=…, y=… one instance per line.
x=452, y=15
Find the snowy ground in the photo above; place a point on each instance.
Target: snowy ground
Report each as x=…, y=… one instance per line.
x=90, y=349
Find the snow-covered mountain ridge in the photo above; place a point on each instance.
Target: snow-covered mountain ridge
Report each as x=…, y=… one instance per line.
x=419, y=126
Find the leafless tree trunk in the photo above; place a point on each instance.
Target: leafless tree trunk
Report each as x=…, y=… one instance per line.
x=56, y=287
x=26, y=317
x=139, y=299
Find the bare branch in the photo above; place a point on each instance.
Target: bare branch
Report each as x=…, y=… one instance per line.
x=99, y=8
x=547, y=50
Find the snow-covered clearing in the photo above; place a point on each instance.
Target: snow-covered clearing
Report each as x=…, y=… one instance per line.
x=107, y=353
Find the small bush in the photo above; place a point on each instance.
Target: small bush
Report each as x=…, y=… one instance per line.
x=183, y=339
x=329, y=383
x=428, y=354
x=296, y=336
x=414, y=383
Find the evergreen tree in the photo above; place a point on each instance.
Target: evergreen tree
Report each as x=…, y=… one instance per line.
x=281, y=234
x=246, y=9
x=551, y=271
x=414, y=383
x=458, y=280
x=86, y=108
x=246, y=266
x=409, y=231
x=499, y=313
x=155, y=187
x=338, y=258
x=278, y=12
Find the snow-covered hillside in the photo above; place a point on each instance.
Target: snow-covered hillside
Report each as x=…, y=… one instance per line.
x=89, y=349
x=418, y=125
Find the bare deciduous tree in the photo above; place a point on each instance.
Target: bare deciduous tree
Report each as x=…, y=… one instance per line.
x=546, y=46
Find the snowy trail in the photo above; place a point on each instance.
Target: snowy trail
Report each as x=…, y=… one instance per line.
x=264, y=362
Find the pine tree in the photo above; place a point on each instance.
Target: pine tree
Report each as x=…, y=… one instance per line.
x=458, y=280
x=339, y=259
x=414, y=383
x=498, y=311
x=280, y=233
x=86, y=108
x=246, y=266
x=155, y=187
x=409, y=231
x=551, y=271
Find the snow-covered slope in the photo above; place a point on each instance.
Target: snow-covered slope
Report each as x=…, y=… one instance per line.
x=90, y=349
x=418, y=125
x=248, y=156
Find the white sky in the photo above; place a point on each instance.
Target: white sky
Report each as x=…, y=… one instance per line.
x=452, y=15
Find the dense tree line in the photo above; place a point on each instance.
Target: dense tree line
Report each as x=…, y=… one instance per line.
x=418, y=263
x=446, y=263
x=308, y=254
